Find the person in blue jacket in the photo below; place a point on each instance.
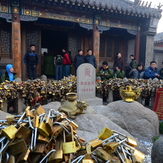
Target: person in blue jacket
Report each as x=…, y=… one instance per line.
x=31, y=59
x=9, y=74
x=152, y=71
x=90, y=58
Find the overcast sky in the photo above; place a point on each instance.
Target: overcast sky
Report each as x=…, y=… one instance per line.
x=155, y=4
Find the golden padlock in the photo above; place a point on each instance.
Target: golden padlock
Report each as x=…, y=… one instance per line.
x=115, y=159
x=138, y=156
x=42, y=139
x=11, y=159
x=9, y=131
x=17, y=147
x=40, y=147
x=29, y=113
x=73, y=124
x=39, y=110
x=49, y=124
x=105, y=133
x=22, y=132
x=57, y=129
x=93, y=144
x=69, y=147
x=111, y=147
x=131, y=141
x=57, y=156
x=102, y=154
x=87, y=161
x=23, y=156
x=42, y=129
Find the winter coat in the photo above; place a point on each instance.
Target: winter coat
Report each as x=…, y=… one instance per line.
x=66, y=59
x=119, y=74
x=161, y=72
x=78, y=60
x=137, y=74
x=90, y=59
x=31, y=58
x=150, y=73
x=48, y=63
x=133, y=64
x=8, y=76
x=118, y=62
x=104, y=73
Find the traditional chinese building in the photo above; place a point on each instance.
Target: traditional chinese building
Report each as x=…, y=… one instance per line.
x=106, y=26
x=158, y=49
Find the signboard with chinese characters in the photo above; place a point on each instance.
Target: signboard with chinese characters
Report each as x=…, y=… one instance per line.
x=158, y=104
x=86, y=75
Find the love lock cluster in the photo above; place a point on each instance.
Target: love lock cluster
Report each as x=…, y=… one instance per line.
x=38, y=137
x=111, y=147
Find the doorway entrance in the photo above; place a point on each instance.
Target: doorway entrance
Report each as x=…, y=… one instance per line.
x=54, y=40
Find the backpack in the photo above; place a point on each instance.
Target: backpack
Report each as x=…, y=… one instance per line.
x=59, y=60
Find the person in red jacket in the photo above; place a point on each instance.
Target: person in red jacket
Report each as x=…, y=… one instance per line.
x=66, y=63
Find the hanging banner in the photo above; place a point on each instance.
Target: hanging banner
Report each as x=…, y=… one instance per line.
x=158, y=104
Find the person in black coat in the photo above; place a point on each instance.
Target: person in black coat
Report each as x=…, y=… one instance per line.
x=118, y=62
x=31, y=60
x=78, y=60
x=90, y=58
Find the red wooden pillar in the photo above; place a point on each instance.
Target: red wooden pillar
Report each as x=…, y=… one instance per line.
x=137, y=45
x=96, y=43
x=16, y=44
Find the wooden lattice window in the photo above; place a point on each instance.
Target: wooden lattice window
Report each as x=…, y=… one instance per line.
x=33, y=37
x=109, y=46
x=5, y=43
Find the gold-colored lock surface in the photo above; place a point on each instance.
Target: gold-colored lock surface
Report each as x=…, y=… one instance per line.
x=49, y=124
x=22, y=132
x=131, y=141
x=23, y=156
x=102, y=154
x=42, y=129
x=9, y=131
x=57, y=156
x=40, y=110
x=40, y=147
x=138, y=156
x=17, y=147
x=95, y=143
x=111, y=147
x=105, y=133
x=87, y=161
x=41, y=138
x=69, y=147
x=57, y=129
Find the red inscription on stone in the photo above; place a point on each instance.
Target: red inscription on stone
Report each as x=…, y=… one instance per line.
x=158, y=104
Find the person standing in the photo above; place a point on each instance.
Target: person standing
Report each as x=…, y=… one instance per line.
x=48, y=63
x=118, y=62
x=90, y=58
x=133, y=63
x=66, y=63
x=78, y=60
x=31, y=60
x=58, y=67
